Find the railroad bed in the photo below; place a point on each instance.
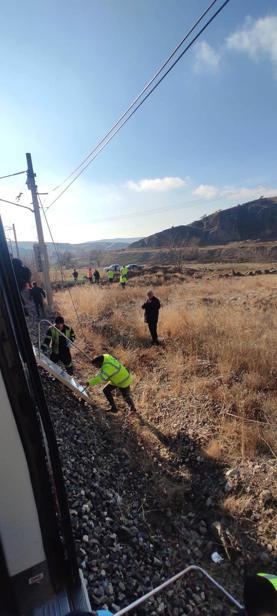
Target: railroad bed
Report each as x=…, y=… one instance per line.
x=125, y=543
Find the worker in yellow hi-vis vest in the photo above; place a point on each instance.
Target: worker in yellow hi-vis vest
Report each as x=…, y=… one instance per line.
x=116, y=376
x=60, y=338
x=123, y=276
x=260, y=595
x=124, y=270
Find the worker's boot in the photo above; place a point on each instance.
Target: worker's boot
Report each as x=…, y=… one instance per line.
x=112, y=409
x=131, y=405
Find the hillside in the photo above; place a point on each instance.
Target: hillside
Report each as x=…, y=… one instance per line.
x=255, y=220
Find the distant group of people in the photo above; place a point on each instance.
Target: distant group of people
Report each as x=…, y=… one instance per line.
x=94, y=276
x=123, y=276
x=91, y=276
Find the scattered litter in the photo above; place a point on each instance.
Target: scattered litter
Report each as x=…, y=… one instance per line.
x=216, y=558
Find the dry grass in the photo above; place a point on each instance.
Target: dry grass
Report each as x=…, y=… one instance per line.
x=218, y=363
x=238, y=505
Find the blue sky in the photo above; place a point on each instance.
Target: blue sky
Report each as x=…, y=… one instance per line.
x=206, y=139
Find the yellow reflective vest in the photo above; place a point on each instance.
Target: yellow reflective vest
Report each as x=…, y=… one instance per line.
x=271, y=578
x=124, y=270
x=113, y=371
x=53, y=337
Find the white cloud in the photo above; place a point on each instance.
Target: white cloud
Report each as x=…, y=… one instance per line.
x=257, y=39
x=234, y=193
x=206, y=191
x=156, y=184
x=242, y=193
x=206, y=58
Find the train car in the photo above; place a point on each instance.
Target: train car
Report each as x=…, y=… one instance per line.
x=38, y=567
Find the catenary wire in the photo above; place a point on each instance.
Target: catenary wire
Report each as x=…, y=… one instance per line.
x=107, y=141
x=11, y=175
x=147, y=85
x=157, y=210
x=17, y=204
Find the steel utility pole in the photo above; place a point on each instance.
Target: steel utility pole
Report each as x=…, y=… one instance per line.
x=43, y=248
x=16, y=242
x=12, y=228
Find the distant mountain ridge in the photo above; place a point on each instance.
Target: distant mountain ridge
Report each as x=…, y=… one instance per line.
x=78, y=250
x=254, y=220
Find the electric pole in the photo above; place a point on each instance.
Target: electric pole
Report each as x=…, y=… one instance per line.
x=15, y=241
x=43, y=248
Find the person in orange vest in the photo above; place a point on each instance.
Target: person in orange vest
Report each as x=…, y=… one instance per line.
x=90, y=275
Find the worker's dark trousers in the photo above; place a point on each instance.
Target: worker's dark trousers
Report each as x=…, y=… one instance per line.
x=39, y=308
x=152, y=324
x=65, y=358
x=125, y=392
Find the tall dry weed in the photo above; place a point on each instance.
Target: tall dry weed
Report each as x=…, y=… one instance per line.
x=219, y=340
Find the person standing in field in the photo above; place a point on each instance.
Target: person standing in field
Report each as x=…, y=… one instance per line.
x=90, y=275
x=96, y=276
x=37, y=295
x=151, y=315
x=124, y=270
x=123, y=280
x=75, y=275
x=110, y=275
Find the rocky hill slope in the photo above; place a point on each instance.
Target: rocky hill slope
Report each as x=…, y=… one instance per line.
x=251, y=221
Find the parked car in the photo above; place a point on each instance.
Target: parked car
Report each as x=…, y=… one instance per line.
x=115, y=267
x=134, y=267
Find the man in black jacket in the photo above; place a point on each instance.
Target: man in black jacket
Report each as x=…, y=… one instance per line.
x=37, y=295
x=151, y=315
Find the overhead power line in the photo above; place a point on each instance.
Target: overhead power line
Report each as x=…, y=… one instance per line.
x=147, y=85
x=17, y=204
x=157, y=210
x=11, y=175
x=111, y=134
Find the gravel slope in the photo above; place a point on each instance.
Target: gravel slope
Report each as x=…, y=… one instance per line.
x=125, y=543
